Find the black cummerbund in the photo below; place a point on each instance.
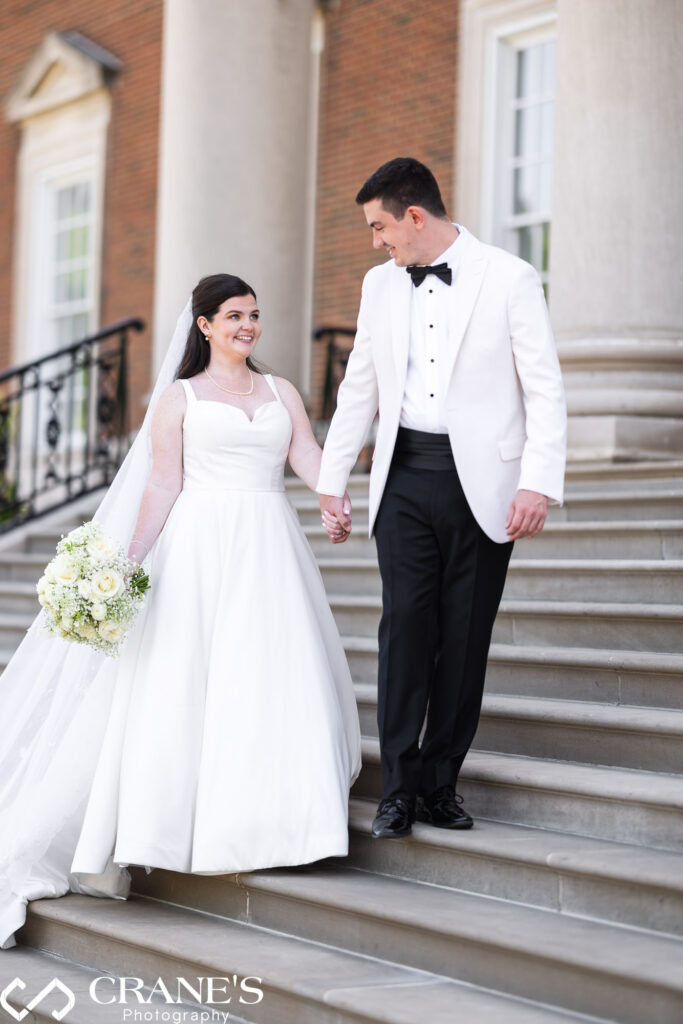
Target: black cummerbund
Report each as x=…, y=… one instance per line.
x=420, y=449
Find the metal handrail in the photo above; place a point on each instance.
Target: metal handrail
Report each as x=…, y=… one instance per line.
x=63, y=424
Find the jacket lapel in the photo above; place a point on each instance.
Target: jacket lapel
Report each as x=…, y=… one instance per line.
x=463, y=295
x=399, y=297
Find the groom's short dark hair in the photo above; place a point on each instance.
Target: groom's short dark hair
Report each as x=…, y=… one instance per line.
x=401, y=183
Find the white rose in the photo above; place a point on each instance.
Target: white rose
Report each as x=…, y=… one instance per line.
x=100, y=548
x=106, y=584
x=110, y=631
x=86, y=630
x=66, y=623
x=98, y=611
x=62, y=570
x=84, y=588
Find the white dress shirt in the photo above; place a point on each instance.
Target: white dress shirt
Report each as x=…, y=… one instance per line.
x=423, y=399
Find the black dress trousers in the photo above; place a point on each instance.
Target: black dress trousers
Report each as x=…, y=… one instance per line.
x=442, y=581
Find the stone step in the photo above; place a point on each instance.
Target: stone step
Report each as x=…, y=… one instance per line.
x=580, y=477
x=303, y=982
x=24, y=566
x=590, y=674
x=576, y=875
x=569, y=730
x=658, y=539
x=18, y=596
x=38, y=970
x=629, y=627
x=635, y=678
x=580, y=506
x=599, y=475
x=587, y=967
x=633, y=580
x=620, y=804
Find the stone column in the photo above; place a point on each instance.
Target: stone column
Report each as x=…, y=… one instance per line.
x=233, y=162
x=616, y=296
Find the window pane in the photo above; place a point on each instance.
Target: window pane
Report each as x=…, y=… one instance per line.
x=547, y=126
x=548, y=67
x=527, y=129
x=529, y=71
x=82, y=197
x=71, y=328
x=65, y=199
x=545, y=251
x=526, y=189
x=524, y=244
x=545, y=187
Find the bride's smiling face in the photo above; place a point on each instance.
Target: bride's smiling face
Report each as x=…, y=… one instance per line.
x=235, y=328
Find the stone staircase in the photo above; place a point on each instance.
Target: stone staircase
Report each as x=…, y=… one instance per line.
x=564, y=903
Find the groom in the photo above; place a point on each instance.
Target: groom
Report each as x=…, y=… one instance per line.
x=455, y=351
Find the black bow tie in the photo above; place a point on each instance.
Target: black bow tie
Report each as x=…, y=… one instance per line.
x=418, y=274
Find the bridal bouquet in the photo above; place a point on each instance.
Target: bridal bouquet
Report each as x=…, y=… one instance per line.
x=90, y=591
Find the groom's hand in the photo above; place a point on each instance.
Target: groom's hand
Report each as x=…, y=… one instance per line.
x=336, y=516
x=526, y=517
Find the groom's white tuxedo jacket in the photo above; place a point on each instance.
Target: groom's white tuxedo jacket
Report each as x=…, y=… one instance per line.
x=504, y=400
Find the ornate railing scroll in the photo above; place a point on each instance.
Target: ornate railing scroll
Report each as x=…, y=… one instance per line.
x=63, y=424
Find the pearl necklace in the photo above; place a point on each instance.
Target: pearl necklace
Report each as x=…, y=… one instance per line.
x=239, y=394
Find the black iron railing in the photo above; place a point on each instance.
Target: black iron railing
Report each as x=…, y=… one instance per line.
x=338, y=342
x=63, y=424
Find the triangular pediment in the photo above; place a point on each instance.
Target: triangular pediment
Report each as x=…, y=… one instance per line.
x=65, y=67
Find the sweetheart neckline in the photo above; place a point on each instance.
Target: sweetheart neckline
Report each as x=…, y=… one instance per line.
x=229, y=405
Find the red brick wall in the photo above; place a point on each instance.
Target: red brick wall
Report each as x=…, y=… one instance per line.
x=131, y=30
x=388, y=89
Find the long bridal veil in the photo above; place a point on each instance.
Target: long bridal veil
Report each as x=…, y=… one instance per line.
x=54, y=703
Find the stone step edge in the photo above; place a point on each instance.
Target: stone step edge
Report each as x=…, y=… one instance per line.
x=522, y=606
x=306, y=502
x=540, y=565
x=572, y=713
x=627, y=785
x=561, y=657
x=610, y=526
x=560, y=852
x=615, y=951
x=346, y=997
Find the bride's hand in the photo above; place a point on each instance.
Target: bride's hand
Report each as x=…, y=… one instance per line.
x=335, y=531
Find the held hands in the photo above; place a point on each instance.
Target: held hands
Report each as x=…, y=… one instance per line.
x=336, y=516
x=526, y=517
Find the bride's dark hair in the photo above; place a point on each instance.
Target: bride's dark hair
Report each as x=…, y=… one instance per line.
x=208, y=296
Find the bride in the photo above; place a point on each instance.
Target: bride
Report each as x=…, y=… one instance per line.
x=225, y=738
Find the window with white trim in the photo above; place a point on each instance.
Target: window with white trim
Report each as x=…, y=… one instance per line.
x=70, y=301
x=524, y=152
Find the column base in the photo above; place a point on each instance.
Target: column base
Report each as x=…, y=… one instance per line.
x=624, y=438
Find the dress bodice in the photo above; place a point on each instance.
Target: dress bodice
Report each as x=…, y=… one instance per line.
x=224, y=450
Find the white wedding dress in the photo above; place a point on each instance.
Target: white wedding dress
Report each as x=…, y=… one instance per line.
x=232, y=735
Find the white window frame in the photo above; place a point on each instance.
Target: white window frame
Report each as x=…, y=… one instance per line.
x=503, y=221
x=486, y=27
x=73, y=173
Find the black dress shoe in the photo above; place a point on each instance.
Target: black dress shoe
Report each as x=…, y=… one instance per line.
x=394, y=818
x=444, y=809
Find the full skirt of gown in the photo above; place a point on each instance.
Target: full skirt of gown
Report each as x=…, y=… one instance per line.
x=233, y=735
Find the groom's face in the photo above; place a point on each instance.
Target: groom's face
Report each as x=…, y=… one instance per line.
x=399, y=238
